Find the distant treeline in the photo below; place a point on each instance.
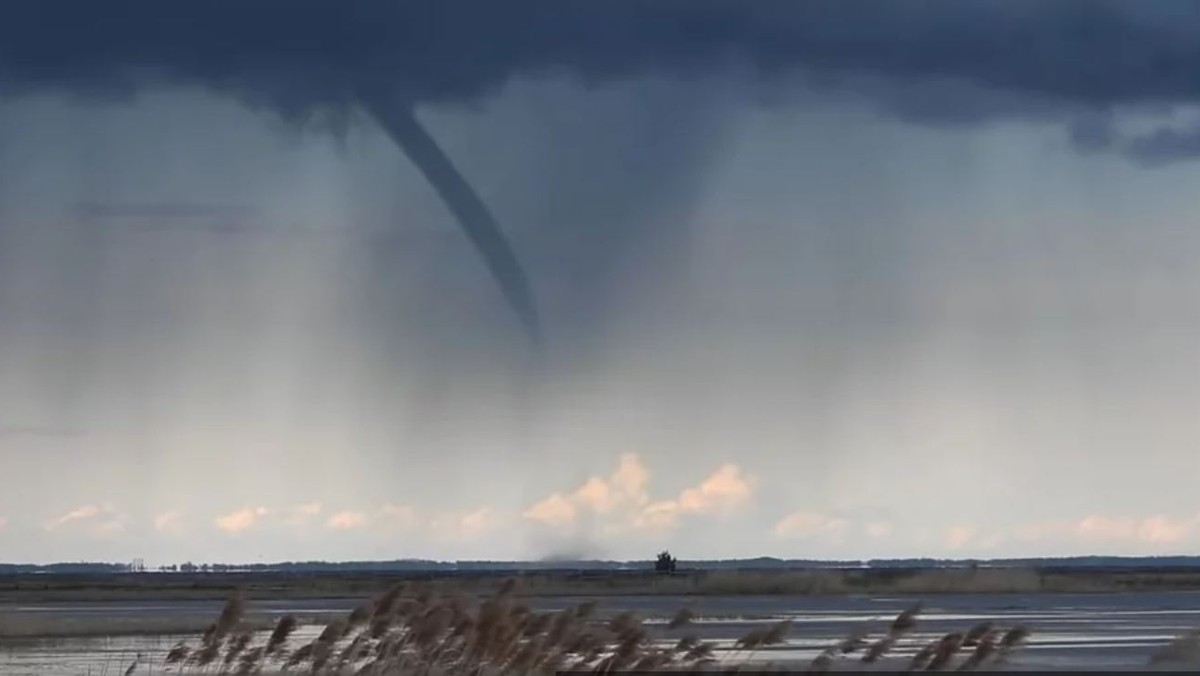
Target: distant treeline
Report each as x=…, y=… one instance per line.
x=762, y=563
x=61, y=568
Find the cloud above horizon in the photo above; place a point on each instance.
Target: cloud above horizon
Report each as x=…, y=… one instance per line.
x=78, y=514
x=347, y=520
x=1159, y=530
x=622, y=501
x=170, y=521
x=241, y=520
x=97, y=521
x=604, y=508
x=1102, y=534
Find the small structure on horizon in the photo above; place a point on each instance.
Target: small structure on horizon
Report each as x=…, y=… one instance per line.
x=665, y=563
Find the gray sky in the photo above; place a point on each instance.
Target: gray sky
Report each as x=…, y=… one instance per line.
x=815, y=301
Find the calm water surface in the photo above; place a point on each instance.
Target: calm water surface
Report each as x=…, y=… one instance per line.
x=1095, y=631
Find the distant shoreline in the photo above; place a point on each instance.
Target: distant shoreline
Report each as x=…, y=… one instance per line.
x=416, y=566
x=40, y=587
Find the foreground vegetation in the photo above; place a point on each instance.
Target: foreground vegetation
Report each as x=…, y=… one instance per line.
x=416, y=631
x=436, y=629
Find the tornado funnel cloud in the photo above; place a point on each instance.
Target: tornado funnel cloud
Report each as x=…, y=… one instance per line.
x=398, y=121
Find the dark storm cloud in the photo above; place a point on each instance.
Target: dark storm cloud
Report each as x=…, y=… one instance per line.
x=944, y=62
x=302, y=53
x=302, y=56
x=1165, y=145
x=1093, y=132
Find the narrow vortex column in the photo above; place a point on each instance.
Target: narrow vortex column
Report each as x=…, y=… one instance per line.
x=396, y=117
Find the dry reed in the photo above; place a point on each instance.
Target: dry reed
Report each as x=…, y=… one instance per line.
x=415, y=630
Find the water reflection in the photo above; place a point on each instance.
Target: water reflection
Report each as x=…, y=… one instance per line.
x=1108, y=632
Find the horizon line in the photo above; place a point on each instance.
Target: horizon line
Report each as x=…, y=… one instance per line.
x=513, y=564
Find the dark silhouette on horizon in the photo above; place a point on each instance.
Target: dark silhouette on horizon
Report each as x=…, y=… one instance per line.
x=665, y=563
